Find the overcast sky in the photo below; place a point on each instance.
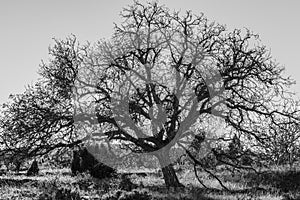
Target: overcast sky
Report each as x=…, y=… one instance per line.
x=27, y=28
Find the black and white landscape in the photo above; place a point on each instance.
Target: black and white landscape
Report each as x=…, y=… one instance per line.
x=164, y=103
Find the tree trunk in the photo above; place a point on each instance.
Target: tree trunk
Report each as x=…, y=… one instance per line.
x=169, y=174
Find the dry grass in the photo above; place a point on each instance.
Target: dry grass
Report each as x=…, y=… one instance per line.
x=275, y=185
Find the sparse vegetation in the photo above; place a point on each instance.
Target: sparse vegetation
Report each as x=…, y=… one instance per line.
x=60, y=184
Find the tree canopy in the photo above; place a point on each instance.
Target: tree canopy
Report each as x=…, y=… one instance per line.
x=161, y=79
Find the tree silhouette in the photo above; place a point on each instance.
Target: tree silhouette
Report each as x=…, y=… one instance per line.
x=161, y=77
x=34, y=123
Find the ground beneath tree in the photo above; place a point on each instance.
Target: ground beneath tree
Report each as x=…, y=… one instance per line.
x=58, y=183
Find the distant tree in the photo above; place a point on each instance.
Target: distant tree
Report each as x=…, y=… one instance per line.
x=161, y=77
x=282, y=145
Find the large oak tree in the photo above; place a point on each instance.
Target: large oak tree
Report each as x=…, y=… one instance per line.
x=161, y=78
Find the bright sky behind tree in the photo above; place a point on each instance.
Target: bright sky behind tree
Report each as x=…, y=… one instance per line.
x=27, y=28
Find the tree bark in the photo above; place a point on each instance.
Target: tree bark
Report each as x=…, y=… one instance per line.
x=169, y=174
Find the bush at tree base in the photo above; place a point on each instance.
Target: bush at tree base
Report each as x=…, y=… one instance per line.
x=84, y=161
x=34, y=169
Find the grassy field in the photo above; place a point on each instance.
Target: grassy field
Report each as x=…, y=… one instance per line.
x=59, y=184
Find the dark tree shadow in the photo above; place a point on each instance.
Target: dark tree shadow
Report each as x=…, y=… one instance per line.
x=284, y=181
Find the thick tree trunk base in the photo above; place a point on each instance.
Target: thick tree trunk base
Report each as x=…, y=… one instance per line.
x=169, y=174
x=170, y=177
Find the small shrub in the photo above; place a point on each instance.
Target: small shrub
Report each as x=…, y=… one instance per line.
x=60, y=194
x=126, y=184
x=75, y=165
x=84, y=161
x=34, y=169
